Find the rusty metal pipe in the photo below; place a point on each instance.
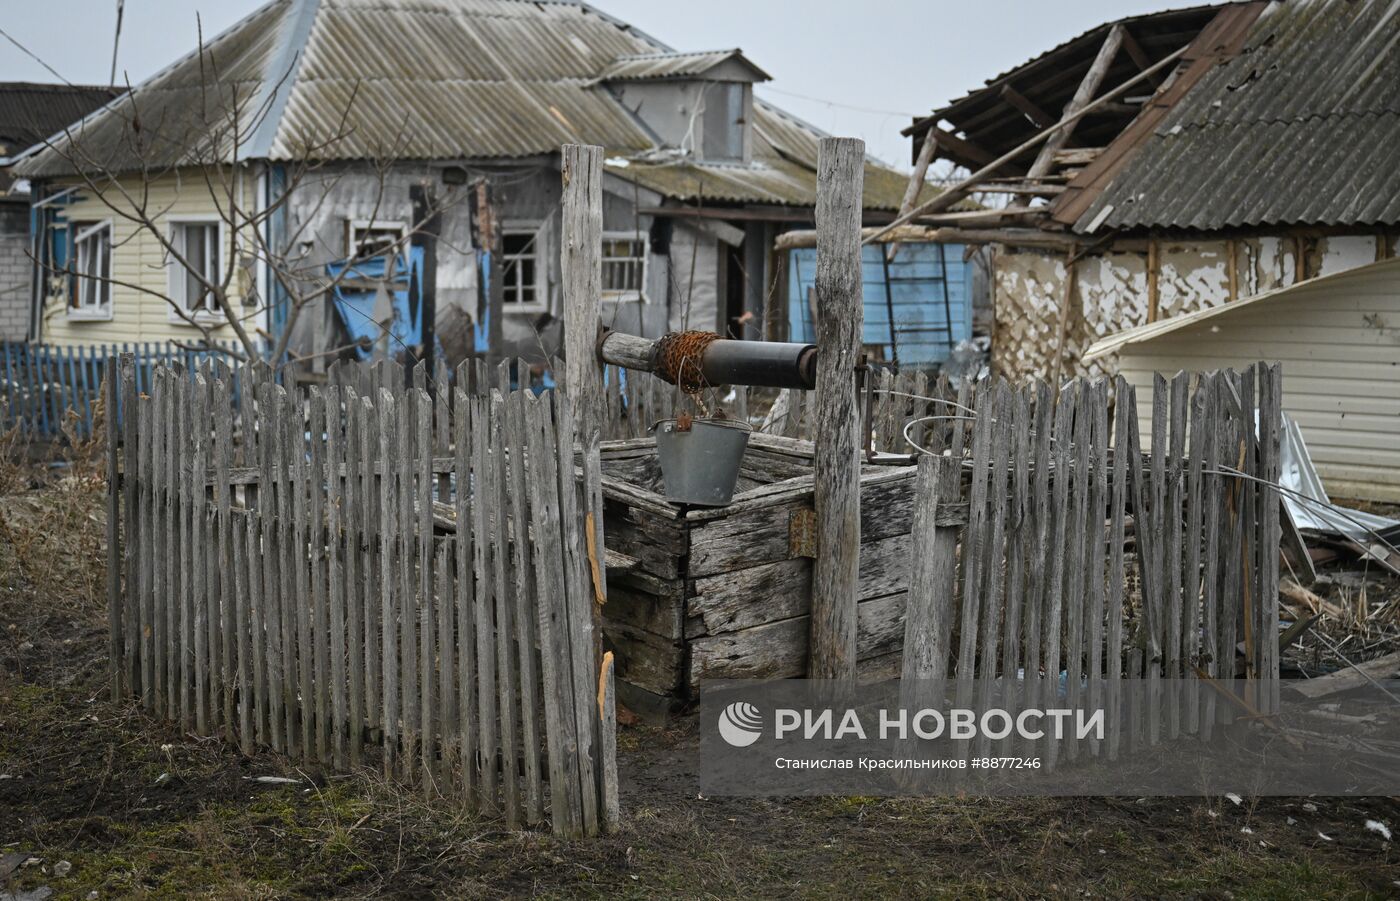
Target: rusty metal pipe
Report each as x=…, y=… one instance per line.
x=767, y=364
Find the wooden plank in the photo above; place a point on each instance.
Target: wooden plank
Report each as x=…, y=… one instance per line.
x=1172, y=523
x=1359, y=675
x=427, y=612
x=186, y=635
x=566, y=805
x=607, y=717
x=268, y=493
x=526, y=603
x=388, y=523
x=484, y=614
x=932, y=582
x=1081, y=101
x=322, y=486
x=305, y=562
x=199, y=580
x=406, y=588
x=1211, y=485
x=993, y=554
x=110, y=390
x=1075, y=546
x=581, y=268
x=1019, y=544
x=335, y=487
x=779, y=650
x=1191, y=559
x=1055, y=592
x=836, y=466
x=131, y=591
x=357, y=584
x=371, y=495
x=1269, y=529
x=1117, y=575
x=497, y=490
x=468, y=725
x=162, y=567
x=581, y=616
x=771, y=591
x=1095, y=557
x=1036, y=593
x=255, y=498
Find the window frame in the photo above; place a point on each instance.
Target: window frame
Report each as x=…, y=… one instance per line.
x=353, y=228
x=536, y=230
x=175, y=271
x=628, y=295
x=102, y=311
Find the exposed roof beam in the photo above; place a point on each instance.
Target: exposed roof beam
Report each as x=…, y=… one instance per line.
x=1136, y=53
x=962, y=146
x=961, y=189
x=1080, y=101
x=1040, y=117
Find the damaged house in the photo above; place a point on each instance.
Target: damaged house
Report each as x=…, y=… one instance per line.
x=1252, y=150
x=339, y=174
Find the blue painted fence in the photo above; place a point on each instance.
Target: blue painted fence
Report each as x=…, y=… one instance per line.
x=917, y=306
x=43, y=386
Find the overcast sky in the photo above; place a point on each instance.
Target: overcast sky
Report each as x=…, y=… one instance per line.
x=862, y=69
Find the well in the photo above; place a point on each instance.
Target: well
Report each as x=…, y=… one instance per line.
x=724, y=593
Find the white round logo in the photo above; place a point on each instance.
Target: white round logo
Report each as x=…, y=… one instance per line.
x=740, y=724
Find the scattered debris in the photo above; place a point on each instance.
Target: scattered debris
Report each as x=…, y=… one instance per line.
x=1234, y=798
x=64, y=867
x=1324, y=836
x=1379, y=827
x=273, y=780
x=1351, y=677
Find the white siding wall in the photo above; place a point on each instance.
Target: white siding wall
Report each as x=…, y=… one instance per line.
x=139, y=309
x=1339, y=342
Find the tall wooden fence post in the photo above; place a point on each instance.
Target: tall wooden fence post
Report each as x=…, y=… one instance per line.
x=581, y=268
x=840, y=177
x=582, y=274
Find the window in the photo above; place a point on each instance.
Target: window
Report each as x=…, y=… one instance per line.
x=369, y=239
x=624, y=265
x=91, y=293
x=198, y=243
x=520, y=272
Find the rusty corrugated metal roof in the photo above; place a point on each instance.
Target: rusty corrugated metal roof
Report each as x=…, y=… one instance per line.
x=1299, y=128
x=438, y=79
x=674, y=65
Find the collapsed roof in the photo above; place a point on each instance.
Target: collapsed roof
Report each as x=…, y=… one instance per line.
x=1277, y=113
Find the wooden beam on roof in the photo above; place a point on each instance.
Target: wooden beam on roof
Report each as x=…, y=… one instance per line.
x=960, y=190
x=1219, y=41
x=1136, y=53
x=916, y=179
x=961, y=146
x=1040, y=117
x=1088, y=87
x=923, y=234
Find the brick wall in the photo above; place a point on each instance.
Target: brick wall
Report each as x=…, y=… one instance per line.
x=16, y=271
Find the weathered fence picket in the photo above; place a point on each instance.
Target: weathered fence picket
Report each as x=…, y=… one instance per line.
x=401, y=569
x=1052, y=604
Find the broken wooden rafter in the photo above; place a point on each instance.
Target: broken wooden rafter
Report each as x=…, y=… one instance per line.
x=1039, y=117
x=1136, y=53
x=916, y=234
x=967, y=185
x=1080, y=102
x=961, y=146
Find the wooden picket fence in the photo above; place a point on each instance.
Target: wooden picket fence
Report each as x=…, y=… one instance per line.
x=1021, y=564
x=44, y=388
x=366, y=569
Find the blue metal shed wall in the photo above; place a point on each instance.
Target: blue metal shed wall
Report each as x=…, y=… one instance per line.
x=925, y=304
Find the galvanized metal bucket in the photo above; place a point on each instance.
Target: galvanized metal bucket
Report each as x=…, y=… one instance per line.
x=700, y=465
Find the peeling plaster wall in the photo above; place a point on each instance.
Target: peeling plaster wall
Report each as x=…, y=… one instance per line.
x=1111, y=291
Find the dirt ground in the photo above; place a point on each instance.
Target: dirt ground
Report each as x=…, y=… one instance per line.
x=99, y=800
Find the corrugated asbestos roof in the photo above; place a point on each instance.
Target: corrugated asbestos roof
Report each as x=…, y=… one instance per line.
x=674, y=65
x=29, y=113
x=1299, y=128
x=433, y=79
